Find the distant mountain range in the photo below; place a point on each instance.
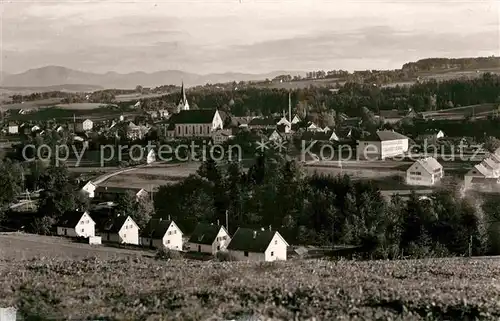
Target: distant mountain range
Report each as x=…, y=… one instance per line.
x=57, y=76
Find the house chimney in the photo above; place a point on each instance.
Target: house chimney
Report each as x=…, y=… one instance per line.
x=218, y=223
x=254, y=234
x=169, y=217
x=269, y=227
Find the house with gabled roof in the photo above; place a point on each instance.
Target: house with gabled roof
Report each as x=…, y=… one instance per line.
x=296, y=119
x=262, y=123
x=208, y=238
x=119, y=229
x=257, y=245
x=424, y=172
x=112, y=193
x=13, y=128
x=76, y=224
x=160, y=233
x=195, y=123
x=88, y=189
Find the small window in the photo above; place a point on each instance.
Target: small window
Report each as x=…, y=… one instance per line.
x=272, y=253
x=126, y=226
x=124, y=235
x=83, y=230
x=175, y=232
x=131, y=226
x=169, y=233
x=82, y=222
x=245, y=253
x=168, y=241
x=275, y=242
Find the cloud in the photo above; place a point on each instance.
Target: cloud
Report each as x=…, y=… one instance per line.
x=206, y=36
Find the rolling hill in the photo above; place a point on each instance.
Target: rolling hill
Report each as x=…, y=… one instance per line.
x=57, y=76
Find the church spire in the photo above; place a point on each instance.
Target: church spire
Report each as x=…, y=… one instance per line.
x=183, y=103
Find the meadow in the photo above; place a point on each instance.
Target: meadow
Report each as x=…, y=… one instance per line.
x=118, y=286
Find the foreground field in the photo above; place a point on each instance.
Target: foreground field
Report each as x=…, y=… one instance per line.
x=56, y=279
x=144, y=289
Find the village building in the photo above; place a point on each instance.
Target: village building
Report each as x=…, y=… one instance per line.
x=208, y=238
x=262, y=123
x=195, y=123
x=275, y=136
x=312, y=127
x=13, y=128
x=151, y=157
x=424, y=172
x=135, y=132
x=83, y=126
x=112, y=193
x=88, y=189
x=120, y=229
x=221, y=136
x=381, y=145
x=296, y=120
x=183, y=102
x=160, y=233
x=257, y=245
x=76, y=224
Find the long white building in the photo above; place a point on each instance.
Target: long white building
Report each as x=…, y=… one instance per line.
x=485, y=175
x=383, y=144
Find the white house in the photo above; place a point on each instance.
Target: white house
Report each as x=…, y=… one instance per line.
x=382, y=145
x=120, y=229
x=296, y=120
x=284, y=121
x=151, y=158
x=84, y=126
x=76, y=224
x=195, y=123
x=275, y=136
x=425, y=172
x=485, y=174
x=312, y=127
x=221, y=136
x=89, y=189
x=13, y=128
x=208, y=238
x=257, y=245
x=162, y=233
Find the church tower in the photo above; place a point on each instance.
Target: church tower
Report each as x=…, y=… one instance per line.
x=183, y=103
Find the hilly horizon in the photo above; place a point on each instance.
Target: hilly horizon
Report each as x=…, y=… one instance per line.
x=58, y=76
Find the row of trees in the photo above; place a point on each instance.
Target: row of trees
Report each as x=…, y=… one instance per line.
x=350, y=99
x=324, y=210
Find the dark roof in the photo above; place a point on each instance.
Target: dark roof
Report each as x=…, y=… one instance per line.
x=156, y=228
x=384, y=135
x=204, y=233
x=116, y=189
x=393, y=113
x=197, y=116
x=70, y=219
x=112, y=225
x=353, y=121
x=262, y=122
x=320, y=136
x=246, y=239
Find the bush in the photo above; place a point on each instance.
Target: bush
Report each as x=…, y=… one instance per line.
x=167, y=254
x=224, y=256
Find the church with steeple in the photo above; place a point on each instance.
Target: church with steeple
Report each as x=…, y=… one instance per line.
x=183, y=102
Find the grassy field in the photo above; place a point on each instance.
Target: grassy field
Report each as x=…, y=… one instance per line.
x=33, y=104
x=81, y=106
x=59, y=285
x=136, y=97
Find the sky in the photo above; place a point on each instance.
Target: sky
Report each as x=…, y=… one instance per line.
x=252, y=36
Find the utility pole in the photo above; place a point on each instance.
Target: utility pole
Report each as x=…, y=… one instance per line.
x=470, y=246
x=227, y=221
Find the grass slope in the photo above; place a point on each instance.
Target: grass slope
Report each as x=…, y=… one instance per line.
x=140, y=288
